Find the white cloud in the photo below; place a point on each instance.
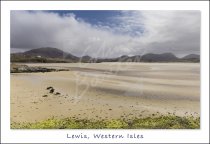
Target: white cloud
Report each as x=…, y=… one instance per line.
x=164, y=31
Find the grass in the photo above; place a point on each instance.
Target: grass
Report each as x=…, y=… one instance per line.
x=162, y=122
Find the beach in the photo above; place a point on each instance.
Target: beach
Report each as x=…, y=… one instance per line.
x=106, y=91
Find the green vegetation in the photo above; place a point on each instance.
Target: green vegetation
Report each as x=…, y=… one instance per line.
x=162, y=122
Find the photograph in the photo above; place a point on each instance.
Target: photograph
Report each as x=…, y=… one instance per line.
x=105, y=69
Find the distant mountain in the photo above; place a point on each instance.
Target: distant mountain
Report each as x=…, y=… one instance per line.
x=136, y=58
x=123, y=58
x=45, y=54
x=192, y=58
x=49, y=54
x=165, y=57
x=88, y=59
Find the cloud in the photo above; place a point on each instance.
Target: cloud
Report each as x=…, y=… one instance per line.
x=166, y=31
x=130, y=33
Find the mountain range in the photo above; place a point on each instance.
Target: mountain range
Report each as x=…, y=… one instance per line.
x=49, y=54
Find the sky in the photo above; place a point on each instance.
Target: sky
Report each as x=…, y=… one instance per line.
x=107, y=33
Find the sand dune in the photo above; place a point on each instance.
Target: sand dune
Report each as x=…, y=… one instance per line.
x=106, y=90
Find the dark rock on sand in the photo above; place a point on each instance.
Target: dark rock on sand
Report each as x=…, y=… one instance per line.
x=52, y=90
x=48, y=88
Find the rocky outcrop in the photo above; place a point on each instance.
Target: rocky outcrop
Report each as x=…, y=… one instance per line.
x=26, y=69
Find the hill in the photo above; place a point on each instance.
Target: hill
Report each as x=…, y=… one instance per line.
x=165, y=57
x=54, y=55
x=46, y=54
x=191, y=58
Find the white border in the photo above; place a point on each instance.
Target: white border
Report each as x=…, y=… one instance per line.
x=59, y=136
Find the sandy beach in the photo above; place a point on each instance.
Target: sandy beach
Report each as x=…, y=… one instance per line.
x=106, y=91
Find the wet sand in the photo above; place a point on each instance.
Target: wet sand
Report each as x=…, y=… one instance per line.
x=106, y=91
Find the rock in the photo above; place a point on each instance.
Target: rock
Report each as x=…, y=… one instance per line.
x=45, y=96
x=57, y=93
x=52, y=90
x=48, y=88
x=17, y=68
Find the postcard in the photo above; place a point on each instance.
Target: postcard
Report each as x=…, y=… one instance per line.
x=101, y=75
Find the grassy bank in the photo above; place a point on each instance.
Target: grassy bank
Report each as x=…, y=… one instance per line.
x=162, y=122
